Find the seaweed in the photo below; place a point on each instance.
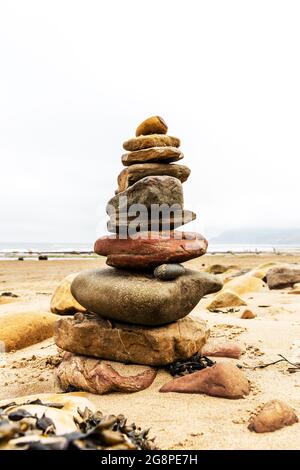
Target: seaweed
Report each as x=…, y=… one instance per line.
x=195, y=363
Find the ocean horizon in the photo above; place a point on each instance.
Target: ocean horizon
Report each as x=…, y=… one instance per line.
x=13, y=249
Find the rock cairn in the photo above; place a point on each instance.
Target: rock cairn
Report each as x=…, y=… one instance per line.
x=137, y=307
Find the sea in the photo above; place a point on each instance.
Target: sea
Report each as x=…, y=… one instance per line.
x=13, y=250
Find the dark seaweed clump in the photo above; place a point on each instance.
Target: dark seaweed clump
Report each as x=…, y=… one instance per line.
x=196, y=362
x=95, y=431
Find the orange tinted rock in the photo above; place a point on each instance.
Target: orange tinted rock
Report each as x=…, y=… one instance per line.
x=149, y=249
x=96, y=376
x=222, y=348
x=274, y=415
x=147, y=141
x=153, y=154
x=152, y=125
x=220, y=380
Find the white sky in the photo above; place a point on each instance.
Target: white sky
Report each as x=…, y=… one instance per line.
x=76, y=77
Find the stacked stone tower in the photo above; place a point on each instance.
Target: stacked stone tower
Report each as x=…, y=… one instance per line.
x=139, y=304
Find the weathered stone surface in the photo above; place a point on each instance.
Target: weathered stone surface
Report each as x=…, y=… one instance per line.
x=148, y=141
x=219, y=268
x=153, y=154
x=247, y=314
x=152, y=125
x=96, y=376
x=224, y=299
x=134, y=173
x=19, y=330
x=146, y=221
x=148, y=191
x=167, y=272
x=281, y=277
x=63, y=302
x=63, y=418
x=139, y=298
x=273, y=415
x=216, y=347
x=246, y=284
x=262, y=270
x=148, y=250
x=94, y=336
x=220, y=380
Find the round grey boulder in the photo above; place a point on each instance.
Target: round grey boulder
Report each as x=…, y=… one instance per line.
x=141, y=298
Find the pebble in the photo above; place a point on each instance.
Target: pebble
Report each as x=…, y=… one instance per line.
x=167, y=272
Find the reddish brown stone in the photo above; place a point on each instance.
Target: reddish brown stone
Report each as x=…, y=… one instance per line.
x=150, y=249
x=222, y=348
x=273, y=415
x=220, y=380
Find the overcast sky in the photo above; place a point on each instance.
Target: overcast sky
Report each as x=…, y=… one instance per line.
x=77, y=77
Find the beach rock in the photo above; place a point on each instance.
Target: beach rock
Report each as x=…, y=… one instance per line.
x=63, y=302
x=167, y=272
x=139, y=298
x=273, y=415
x=19, y=330
x=148, y=191
x=224, y=299
x=144, y=221
x=281, y=277
x=8, y=297
x=246, y=284
x=262, y=270
x=152, y=125
x=63, y=418
x=134, y=173
x=96, y=376
x=94, y=336
x=247, y=314
x=148, y=141
x=219, y=268
x=153, y=154
x=220, y=380
x=216, y=347
x=295, y=289
x=148, y=250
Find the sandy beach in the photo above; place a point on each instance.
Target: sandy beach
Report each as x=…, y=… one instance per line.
x=178, y=421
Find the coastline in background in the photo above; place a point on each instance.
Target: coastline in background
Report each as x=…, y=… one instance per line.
x=15, y=250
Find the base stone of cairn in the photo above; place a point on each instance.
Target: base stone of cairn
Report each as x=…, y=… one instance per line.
x=137, y=308
x=92, y=335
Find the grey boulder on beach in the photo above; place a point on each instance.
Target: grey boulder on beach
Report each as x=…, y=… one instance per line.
x=141, y=298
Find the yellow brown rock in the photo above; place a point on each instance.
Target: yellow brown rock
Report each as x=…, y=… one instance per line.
x=225, y=298
x=152, y=125
x=274, y=415
x=63, y=302
x=138, y=171
x=153, y=154
x=19, y=330
x=148, y=141
x=246, y=284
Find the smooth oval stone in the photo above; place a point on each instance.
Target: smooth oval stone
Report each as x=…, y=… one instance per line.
x=147, y=141
x=152, y=125
x=139, y=298
x=166, y=272
x=147, y=250
x=153, y=154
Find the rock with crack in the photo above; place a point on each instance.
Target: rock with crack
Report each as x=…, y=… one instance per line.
x=96, y=376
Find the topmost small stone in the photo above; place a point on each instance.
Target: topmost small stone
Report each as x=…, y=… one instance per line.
x=152, y=125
